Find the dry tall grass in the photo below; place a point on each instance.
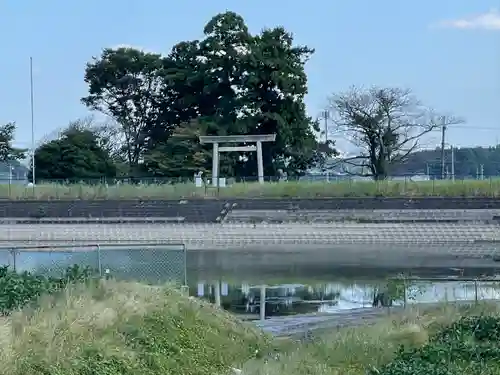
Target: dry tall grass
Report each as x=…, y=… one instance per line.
x=352, y=351
x=132, y=329
x=126, y=329
x=465, y=188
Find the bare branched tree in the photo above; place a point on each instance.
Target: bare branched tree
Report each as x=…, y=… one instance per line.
x=111, y=137
x=107, y=132
x=386, y=125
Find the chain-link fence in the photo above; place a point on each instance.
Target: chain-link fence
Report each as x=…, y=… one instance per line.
x=307, y=186
x=411, y=290
x=152, y=263
x=405, y=291
x=435, y=243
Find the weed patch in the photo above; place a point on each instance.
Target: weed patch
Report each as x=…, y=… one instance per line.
x=468, y=346
x=110, y=327
x=19, y=289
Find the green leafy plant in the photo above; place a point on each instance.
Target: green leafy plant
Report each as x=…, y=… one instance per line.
x=20, y=289
x=398, y=289
x=471, y=345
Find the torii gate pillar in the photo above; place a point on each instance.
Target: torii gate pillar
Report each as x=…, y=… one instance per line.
x=257, y=139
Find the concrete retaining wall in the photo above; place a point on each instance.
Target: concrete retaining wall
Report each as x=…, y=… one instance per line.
x=210, y=211
x=197, y=211
x=237, y=215
x=462, y=227
x=285, y=237
x=388, y=245
x=429, y=203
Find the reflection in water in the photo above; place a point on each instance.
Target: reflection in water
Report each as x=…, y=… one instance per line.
x=321, y=285
x=324, y=265
x=285, y=299
x=299, y=282
x=289, y=299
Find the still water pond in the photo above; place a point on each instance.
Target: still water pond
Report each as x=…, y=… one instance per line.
x=293, y=284
x=334, y=296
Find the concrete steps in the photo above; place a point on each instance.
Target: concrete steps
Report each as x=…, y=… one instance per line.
x=389, y=216
x=230, y=237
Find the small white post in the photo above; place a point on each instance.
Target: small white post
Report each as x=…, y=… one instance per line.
x=215, y=165
x=216, y=286
x=260, y=163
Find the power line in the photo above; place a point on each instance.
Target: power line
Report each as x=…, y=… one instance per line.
x=472, y=127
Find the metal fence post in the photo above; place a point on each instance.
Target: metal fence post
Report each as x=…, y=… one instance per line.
x=405, y=291
x=185, y=265
x=475, y=292
x=99, y=263
x=216, y=288
x=14, y=260
x=262, y=302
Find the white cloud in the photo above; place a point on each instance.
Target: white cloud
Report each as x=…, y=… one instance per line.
x=484, y=21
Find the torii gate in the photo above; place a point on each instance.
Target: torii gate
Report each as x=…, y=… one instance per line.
x=257, y=139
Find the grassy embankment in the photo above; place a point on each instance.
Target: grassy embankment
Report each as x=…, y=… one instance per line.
x=118, y=328
x=465, y=188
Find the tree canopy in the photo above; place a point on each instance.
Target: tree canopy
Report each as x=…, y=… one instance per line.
x=230, y=82
x=470, y=162
x=8, y=152
x=78, y=153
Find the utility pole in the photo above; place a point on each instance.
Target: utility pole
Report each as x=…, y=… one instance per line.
x=326, y=117
x=443, y=145
x=33, y=176
x=452, y=163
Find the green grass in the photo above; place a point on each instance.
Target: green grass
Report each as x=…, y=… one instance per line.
x=355, y=351
x=447, y=188
x=119, y=328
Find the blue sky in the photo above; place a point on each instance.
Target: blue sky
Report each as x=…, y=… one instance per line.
x=447, y=51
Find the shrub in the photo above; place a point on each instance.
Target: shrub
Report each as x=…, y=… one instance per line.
x=469, y=346
x=19, y=289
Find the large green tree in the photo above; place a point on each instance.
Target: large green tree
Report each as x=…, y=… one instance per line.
x=125, y=84
x=238, y=83
x=181, y=156
x=78, y=154
x=229, y=82
x=276, y=87
x=204, y=80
